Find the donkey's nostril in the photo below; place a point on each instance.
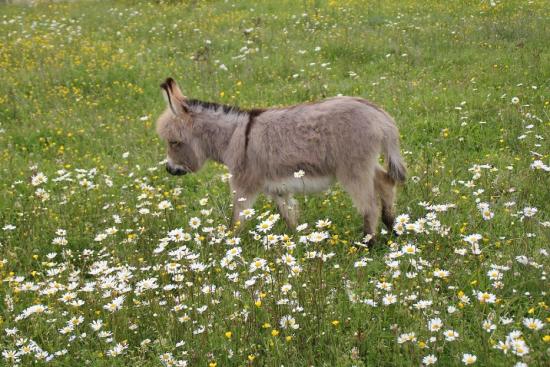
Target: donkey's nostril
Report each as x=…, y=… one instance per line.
x=175, y=171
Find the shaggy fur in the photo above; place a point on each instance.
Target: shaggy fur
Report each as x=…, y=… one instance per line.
x=338, y=139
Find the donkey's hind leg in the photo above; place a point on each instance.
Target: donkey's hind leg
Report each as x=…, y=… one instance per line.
x=361, y=188
x=385, y=187
x=289, y=209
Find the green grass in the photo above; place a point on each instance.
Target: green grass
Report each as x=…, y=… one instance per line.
x=79, y=87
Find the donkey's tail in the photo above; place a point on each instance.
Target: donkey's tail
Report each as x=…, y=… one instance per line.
x=396, y=165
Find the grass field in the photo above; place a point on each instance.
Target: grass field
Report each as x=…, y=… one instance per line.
x=106, y=260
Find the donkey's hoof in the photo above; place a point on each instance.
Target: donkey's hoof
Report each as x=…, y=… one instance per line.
x=368, y=240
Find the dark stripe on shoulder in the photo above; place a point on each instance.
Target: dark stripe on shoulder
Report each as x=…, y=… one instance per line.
x=252, y=114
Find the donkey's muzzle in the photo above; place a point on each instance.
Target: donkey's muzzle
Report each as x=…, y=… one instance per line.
x=175, y=171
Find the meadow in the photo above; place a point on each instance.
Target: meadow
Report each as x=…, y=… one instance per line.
x=106, y=260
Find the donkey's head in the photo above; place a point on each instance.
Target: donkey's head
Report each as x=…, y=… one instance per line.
x=174, y=126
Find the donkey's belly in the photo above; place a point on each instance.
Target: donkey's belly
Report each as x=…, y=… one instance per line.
x=293, y=185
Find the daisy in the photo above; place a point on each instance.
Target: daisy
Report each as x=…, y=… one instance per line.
x=422, y=304
x=286, y=288
x=288, y=259
x=247, y=213
x=389, y=299
x=96, y=325
x=503, y=346
x=322, y=223
x=115, y=305
x=11, y=355
x=441, y=273
x=408, y=249
x=299, y=174
x=469, y=359
x=264, y=226
x=450, y=335
x=529, y=211
x=235, y=251
x=317, y=236
x=194, y=222
x=472, y=238
x=484, y=297
x=429, y=359
x=165, y=204
x=533, y=324
x=435, y=324
x=488, y=326
x=494, y=274
x=384, y=286
x=176, y=235
x=407, y=337
x=257, y=263
x=519, y=347
x=288, y=322
x=38, y=179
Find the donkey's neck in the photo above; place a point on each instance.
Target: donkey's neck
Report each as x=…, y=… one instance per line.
x=215, y=127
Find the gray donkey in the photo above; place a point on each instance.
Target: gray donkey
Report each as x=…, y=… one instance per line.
x=288, y=150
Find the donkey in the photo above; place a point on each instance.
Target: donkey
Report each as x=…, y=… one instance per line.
x=268, y=150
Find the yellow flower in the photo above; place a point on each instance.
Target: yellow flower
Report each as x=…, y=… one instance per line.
x=266, y=325
x=251, y=357
x=335, y=322
x=288, y=338
x=228, y=334
x=546, y=338
x=212, y=364
x=258, y=303
x=274, y=332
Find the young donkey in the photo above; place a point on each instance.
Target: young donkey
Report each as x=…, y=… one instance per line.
x=336, y=139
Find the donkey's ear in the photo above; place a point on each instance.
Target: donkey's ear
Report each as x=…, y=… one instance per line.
x=174, y=97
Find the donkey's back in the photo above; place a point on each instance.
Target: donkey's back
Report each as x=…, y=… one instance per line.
x=337, y=136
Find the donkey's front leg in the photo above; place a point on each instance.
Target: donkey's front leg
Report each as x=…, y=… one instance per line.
x=289, y=209
x=241, y=201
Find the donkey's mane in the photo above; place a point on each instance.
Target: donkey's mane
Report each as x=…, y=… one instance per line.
x=195, y=104
x=213, y=106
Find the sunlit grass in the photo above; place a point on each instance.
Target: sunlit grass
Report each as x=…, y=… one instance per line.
x=92, y=228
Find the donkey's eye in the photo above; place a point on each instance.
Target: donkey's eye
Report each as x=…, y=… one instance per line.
x=174, y=143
